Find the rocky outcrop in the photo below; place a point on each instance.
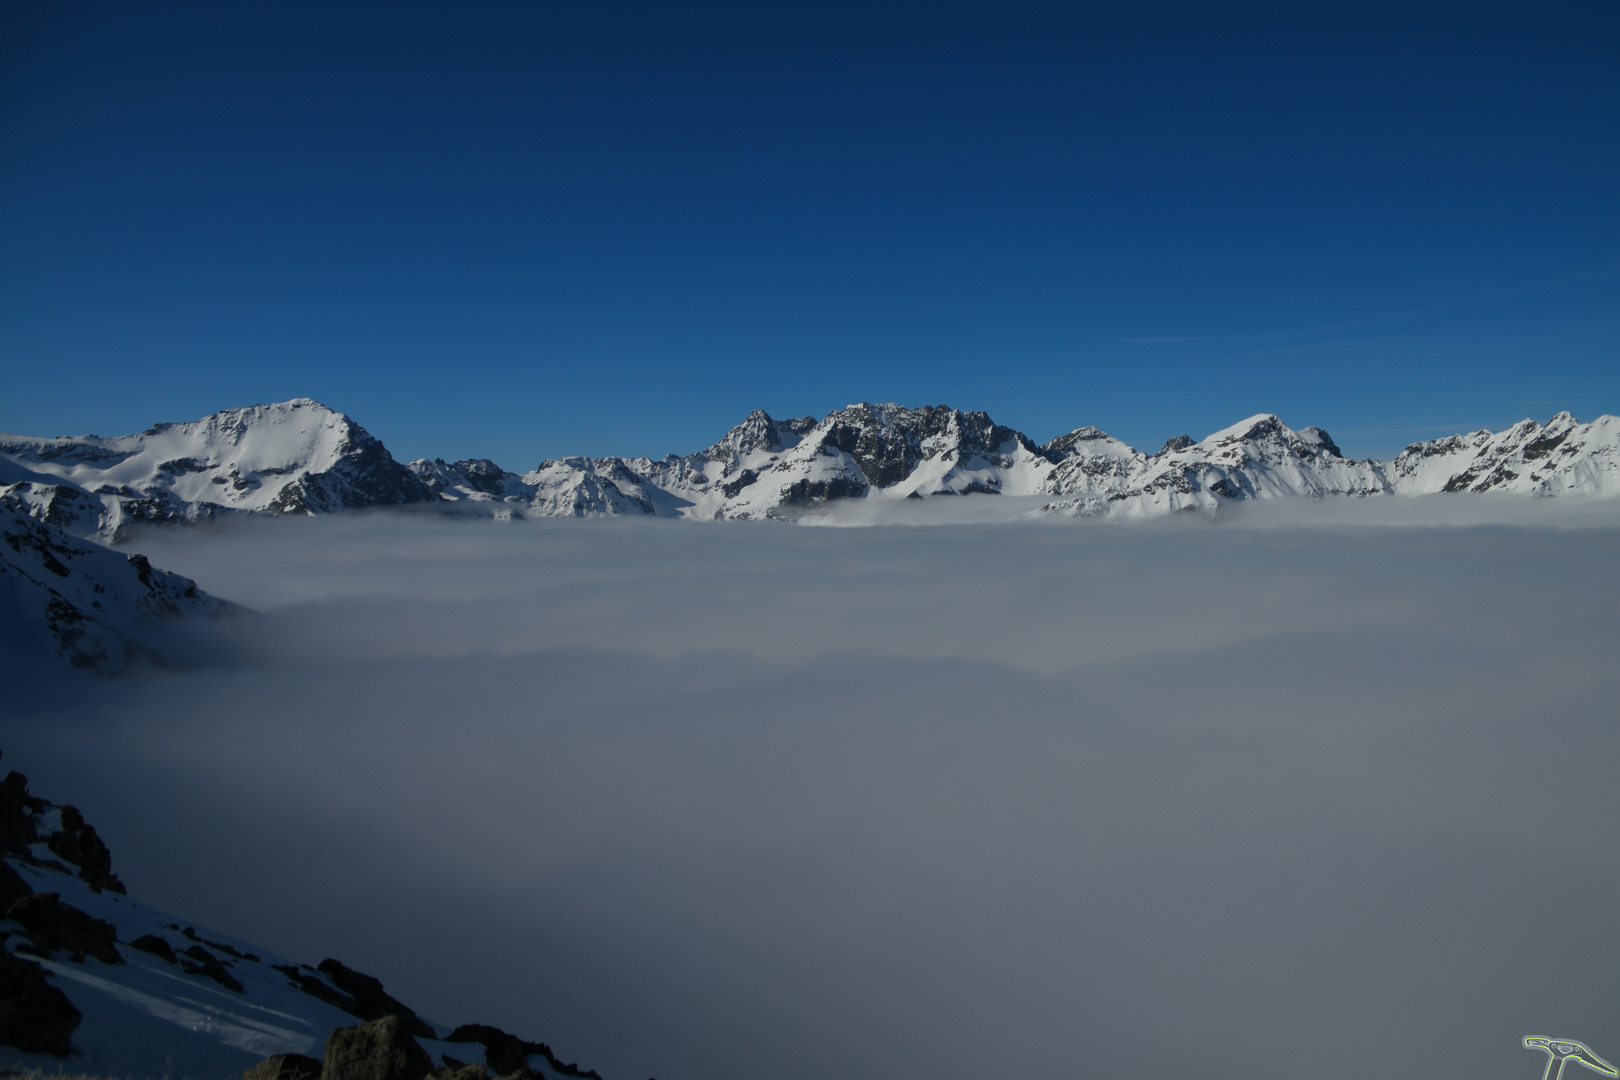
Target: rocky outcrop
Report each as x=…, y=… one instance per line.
x=79, y=844
x=158, y=947
x=35, y=1016
x=507, y=1054
x=367, y=998
x=53, y=926
x=285, y=1067
x=377, y=1050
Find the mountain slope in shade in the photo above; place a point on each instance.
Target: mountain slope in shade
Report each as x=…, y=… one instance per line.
x=293, y=457
x=96, y=609
x=97, y=983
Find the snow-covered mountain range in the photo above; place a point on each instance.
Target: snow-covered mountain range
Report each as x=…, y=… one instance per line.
x=300, y=457
x=95, y=983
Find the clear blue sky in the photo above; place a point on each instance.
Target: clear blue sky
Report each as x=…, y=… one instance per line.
x=536, y=229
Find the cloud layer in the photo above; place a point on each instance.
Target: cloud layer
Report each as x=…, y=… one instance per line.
x=733, y=801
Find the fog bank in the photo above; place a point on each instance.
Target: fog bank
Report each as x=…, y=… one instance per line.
x=1262, y=798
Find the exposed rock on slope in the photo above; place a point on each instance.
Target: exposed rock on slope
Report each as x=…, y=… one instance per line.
x=294, y=457
x=88, y=973
x=94, y=608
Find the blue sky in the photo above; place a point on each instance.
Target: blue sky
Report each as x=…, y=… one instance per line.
x=529, y=230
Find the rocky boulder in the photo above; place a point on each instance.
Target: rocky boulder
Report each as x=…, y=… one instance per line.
x=376, y=1050
x=35, y=1016
x=53, y=925
x=285, y=1067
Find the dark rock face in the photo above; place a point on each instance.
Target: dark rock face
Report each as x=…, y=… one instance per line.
x=811, y=492
x=53, y=925
x=12, y=887
x=35, y=1016
x=377, y=1050
x=367, y=475
x=507, y=1054
x=354, y=992
x=887, y=441
x=1180, y=442
x=483, y=475
x=78, y=843
x=199, y=961
x=285, y=1067
x=151, y=943
x=461, y=1072
x=17, y=810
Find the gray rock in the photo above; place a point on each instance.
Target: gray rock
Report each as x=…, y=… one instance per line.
x=376, y=1050
x=285, y=1067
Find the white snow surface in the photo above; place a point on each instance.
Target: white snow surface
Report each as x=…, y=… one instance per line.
x=300, y=457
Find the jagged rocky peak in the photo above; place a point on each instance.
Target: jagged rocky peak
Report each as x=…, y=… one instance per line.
x=758, y=433
x=1179, y=442
x=889, y=441
x=1080, y=440
x=469, y=477
x=1315, y=436
x=1086, y=442
x=1267, y=435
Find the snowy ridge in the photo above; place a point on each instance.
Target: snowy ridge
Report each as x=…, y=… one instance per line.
x=294, y=457
x=94, y=608
x=1258, y=458
x=766, y=468
x=1560, y=457
x=300, y=457
x=100, y=984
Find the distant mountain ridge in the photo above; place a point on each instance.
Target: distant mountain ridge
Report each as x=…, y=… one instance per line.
x=300, y=457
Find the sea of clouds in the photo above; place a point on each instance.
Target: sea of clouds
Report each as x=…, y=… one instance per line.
x=1328, y=793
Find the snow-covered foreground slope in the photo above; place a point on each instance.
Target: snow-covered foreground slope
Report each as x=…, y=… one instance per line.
x=94, y=982
x=72, y=598
x=300, y=457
